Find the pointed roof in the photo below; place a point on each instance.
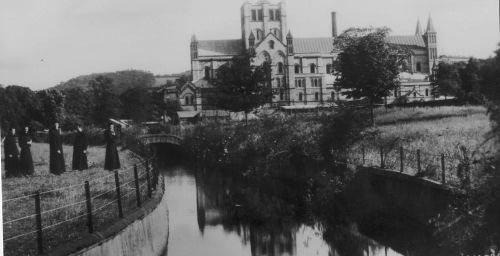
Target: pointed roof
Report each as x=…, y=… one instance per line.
x=251, y=37
x=418, y=31
x=193, y=38
x=430, y=26
x=289, y=35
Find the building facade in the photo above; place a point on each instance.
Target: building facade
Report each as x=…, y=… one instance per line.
x=302, y=68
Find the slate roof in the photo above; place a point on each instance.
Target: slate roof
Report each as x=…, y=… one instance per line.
x=220, y=47
x=407, y=40
x=313, y=45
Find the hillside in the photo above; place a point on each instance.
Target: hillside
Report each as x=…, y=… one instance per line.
x=122, y=80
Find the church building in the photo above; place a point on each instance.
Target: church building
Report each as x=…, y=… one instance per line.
x=302, y=68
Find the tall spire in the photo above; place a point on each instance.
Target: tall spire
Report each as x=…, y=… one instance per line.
x=430, y=26
x=418, y=31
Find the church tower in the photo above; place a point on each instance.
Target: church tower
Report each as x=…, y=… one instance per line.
x=262, y=18
x=431, y=44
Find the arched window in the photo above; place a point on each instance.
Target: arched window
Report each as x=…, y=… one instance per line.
x=271, y=44
x=329, y=68
x=313, y=68
x=207, y=72
x=419, y=67
x=333, y=95
x=426, y=92
x=280, y=68
x=316, y=96
x=260, y=34
x=278, y=82
x=186, y=100
x=300, y=97
x=297, y=68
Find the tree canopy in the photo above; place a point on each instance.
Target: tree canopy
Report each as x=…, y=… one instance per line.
x=368, y=66
x=242, y=86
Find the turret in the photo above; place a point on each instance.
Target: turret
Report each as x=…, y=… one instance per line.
x=430, y=37
x=289, y=43
x=418, y=30
x=194, y=47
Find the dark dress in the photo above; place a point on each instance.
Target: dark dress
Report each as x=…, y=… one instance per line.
x=56, y=159
x=111, y=161
x=11, y=156
x=79, y=157
x=25, y=160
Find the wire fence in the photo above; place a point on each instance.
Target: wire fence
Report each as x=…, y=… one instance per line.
x=65, y=214
x=443, y=168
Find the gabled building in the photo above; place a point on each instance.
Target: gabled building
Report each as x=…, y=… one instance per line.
x=302, y=68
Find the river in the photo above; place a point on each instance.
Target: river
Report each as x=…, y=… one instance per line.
x=207, y=216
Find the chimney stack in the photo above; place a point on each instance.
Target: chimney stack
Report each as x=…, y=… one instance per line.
x=334, y=24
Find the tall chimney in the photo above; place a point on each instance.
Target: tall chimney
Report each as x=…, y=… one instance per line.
x=334, y=24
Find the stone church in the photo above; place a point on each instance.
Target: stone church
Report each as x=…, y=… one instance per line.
x=302, y=68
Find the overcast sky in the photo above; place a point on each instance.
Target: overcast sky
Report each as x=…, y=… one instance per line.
x=46, y=42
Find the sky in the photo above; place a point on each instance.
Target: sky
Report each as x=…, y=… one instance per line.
x=43, y=43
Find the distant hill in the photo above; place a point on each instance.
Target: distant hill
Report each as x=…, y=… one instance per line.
x=122, y=80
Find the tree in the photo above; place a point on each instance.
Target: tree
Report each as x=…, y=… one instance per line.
x=368, y=66
x=447, y=80
x=77, y=106
x=18, y=106
x=241, y=86
x=136, y=104
x=52, y=102
x=106, y=104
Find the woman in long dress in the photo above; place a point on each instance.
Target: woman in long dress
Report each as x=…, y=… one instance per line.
x=25, y=160
x=80, y=150
x=111, y=161
x=11, y=154
x=56, y=151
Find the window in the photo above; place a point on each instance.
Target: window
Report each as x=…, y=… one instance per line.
x=414, y=94
x=333, y=95
x=419, y=67
x=315, y=82
x=277, y=16
x=313, y=68
x=207, y=72
x=271, y=44
x=426, y=92
x=316, y=96
x=297, y=68
x=300, y=97
x=260, y=34
x=280, y=68
x=329, y=68
x=278, y=82
x=254, y=15
x=283, y=82
x=281, y=95
x=193, y=102
x=298, y=83
x=271, y=14
x=260, y=15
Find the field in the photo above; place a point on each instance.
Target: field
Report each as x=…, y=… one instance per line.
x=456, y=132
x=63, y=199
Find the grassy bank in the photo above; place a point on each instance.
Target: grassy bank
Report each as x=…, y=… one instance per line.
x=63, y=199
x=456, y=132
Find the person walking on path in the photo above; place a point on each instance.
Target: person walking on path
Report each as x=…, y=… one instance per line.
x=25, y=160
x=11, y=154
x=111, y=161
x=80, y=150
x=56, y=151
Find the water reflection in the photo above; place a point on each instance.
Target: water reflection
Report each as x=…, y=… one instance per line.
x=215, y=214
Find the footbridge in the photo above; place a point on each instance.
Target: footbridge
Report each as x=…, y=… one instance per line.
x=161, y=138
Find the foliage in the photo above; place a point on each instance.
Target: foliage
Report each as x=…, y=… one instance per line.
x=121, y=81
x=18, y=106
x=367, y=66
x=242, y=86
x=459, y=80
x=106, y=104
x=136, y=104
x=52, y=102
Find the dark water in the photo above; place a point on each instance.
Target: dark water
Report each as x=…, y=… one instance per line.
x=223, y=214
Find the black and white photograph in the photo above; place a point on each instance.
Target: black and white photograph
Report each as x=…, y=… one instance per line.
x=250, y=127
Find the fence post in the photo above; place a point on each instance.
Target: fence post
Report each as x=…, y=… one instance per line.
x=89, y=207
x=401, y=159
x=39, y=233
x=381, y=156
x=443, y=177
x=148, y=181
x=418, y=161
x=118, y=194
x=363, y=153
x=137, y=192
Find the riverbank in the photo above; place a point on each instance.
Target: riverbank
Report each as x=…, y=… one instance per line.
x=57, y=193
